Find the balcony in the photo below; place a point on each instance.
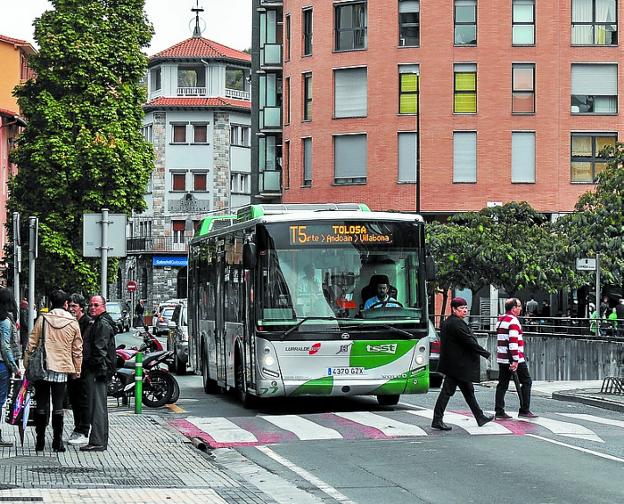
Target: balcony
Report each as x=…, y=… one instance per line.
x=156, y=244
x=270, y=183
x=271, y=3
x=271, y=56
x=191, y=91
x=270, y=118
x=237, y=94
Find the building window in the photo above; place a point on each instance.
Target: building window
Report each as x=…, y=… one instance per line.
x=145, y=228
x=350, y=92
x=178, y=181
x=306, y=30
x=594, y=89
x=267, y=153
x=465, y=89
x=199, y=181
x=594, y=22
x=239, y=183
x=587, y=158
x=408, y=89
x=177, y=228
x=287, y=100
x=464, y=156
x=350, y=24
x=523, y=157
x=409, y=23
x=350, y=159
x=307, y=97
x=155, y=79
x=523, y=20
x=465, y=22
x=240, y=135
x=287, y=38
x=235, y=79
x=191, y=80
x=408, y=157
x=306, y=148
x=179, y=133
x=286, y=164
x=200, y=133
x=523, y=94
x=148, y=132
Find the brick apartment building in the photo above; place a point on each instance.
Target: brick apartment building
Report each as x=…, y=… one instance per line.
x=436, y=106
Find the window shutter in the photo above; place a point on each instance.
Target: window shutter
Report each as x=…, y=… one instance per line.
x=350, y=92
x=523, y=157
x=350, y=156
x=408, y=157
x=594, y=80
x=465, y=156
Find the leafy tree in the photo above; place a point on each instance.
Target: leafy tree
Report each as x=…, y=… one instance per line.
x=82, y=149
x=597, y=225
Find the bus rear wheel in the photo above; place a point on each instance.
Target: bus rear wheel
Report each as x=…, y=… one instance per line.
x=388, y=400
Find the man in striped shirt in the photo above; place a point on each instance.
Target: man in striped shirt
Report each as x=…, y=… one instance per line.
x=510, y=359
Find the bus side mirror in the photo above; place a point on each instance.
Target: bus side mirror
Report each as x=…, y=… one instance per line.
x=431, y=269
x=249, y=255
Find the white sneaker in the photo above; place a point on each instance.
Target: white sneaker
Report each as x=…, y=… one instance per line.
x=79, y=439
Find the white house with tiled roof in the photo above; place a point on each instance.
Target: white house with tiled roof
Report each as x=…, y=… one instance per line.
x=198, y=116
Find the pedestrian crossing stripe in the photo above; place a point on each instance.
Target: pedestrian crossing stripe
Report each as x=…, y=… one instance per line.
x=221, y=432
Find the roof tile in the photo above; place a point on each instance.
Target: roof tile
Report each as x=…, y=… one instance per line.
x=198, y=102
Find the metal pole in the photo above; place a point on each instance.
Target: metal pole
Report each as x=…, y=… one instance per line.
x=138, y=385
x=418, y=144
x=598, y=284
x=17, y=258
x=104, y=252
x=33, y=225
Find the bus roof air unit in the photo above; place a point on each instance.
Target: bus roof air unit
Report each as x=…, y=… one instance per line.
x=254, y=211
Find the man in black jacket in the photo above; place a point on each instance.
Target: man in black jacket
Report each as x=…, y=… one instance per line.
x=459, y=362
x=98, y=368
x=76, y=386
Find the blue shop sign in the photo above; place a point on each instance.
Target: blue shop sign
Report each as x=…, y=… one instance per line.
x=163, y=261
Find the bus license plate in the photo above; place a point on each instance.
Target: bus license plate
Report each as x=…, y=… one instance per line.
x=345, y=371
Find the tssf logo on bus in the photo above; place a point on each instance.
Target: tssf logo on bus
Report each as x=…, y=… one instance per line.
x=390, y=348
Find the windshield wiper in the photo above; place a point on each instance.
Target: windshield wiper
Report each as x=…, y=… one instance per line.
x=304, y=319
x=396, y=329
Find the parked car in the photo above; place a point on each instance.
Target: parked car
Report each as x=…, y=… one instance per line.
x=119, y=313
x=435, y=378
x=177, y=340
x=163, y=316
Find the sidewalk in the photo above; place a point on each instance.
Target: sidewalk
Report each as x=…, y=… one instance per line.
x=146, y=462
x=581, y=391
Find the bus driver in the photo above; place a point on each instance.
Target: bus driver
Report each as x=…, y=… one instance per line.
x=382, y=299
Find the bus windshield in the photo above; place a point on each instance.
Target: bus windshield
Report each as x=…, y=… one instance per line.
x=341, y=274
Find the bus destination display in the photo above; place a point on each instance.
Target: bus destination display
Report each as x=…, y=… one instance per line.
x=322, y=234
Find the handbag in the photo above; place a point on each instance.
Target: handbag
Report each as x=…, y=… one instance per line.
x=36, y=369
x=20, y=402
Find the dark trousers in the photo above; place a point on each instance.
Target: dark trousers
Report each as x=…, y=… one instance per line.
x=77, y=393
x=448, y=390
x=96, y=392
x=504, y=375
x=43, y=391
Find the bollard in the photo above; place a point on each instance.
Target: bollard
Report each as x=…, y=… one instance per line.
x=138, y=385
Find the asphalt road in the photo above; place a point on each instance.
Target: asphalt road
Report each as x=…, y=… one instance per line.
x=573, y=454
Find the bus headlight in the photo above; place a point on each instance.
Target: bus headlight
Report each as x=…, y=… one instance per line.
x=420, y=360
x=268, y=360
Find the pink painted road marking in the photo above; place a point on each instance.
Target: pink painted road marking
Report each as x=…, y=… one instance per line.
x=262, y=430
x=352, y=430
x=516, y=426
x=192, y=431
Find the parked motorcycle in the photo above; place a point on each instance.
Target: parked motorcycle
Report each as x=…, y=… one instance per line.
x=159, y=386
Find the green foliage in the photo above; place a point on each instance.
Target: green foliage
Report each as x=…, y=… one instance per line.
x=597, y=225
x=511, y=247
x=83, y=149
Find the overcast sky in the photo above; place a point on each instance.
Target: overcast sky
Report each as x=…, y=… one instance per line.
x=226, y=21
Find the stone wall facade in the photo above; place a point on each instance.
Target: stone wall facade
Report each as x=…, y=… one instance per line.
x=221, y=161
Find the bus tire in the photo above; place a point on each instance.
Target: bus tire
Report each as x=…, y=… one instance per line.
x=246, y=399
x=180, y=367
x=388, y=400
x=210, y=386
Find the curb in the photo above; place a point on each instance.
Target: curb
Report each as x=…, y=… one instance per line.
x=591, y=401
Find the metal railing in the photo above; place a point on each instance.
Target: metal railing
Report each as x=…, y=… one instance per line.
x=191, y=91
x=552, y=326
x=237, y=94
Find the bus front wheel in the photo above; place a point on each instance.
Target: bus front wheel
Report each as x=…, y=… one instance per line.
x=388, y=400
x=244, y=397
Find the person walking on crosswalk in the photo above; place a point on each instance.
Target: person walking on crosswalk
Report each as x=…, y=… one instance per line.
x=460, y=363
x=510, y=359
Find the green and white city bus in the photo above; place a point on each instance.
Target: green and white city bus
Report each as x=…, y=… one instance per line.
x=276, y=302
